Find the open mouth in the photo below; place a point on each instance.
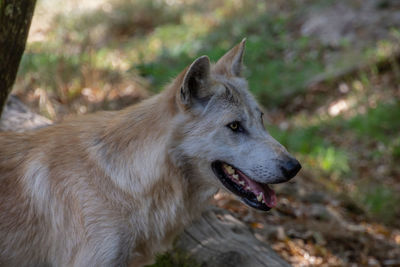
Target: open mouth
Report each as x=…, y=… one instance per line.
x=254, y=194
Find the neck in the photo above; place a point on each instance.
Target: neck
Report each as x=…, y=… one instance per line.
x=134, y=153
x=133, y=146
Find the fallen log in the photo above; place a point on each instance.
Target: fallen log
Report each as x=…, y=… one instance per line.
x=17, y=117
x=219, y=239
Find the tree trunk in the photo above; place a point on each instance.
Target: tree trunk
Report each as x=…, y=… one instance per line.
x=15, y=20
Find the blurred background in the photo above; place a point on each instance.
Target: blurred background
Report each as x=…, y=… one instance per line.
x=327, y=73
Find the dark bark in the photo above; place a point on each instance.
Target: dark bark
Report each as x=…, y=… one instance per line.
x=15, y=20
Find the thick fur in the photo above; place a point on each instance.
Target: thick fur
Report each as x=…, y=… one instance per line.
x=114, y=188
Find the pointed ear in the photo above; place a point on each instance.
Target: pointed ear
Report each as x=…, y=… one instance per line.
x=232, y=62
x=194, y=89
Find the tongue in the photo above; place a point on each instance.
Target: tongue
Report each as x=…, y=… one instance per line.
x=268, y=194
x=257, y=188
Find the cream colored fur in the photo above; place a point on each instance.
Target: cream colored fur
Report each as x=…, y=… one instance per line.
x=114, y=188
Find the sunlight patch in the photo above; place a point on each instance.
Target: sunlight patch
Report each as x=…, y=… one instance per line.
x=338, y=107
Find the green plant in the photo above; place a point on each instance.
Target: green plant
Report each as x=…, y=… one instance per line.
x=174, y=258
x=380, y=122
x=379, y=200
x=331, y=160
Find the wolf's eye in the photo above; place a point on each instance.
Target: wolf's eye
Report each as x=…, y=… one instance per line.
x=235, y=126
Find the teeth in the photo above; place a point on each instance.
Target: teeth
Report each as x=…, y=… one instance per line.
x=248, y=188
x=242, y=183
x=235, y=176
x=229, y=169
x=260, y=197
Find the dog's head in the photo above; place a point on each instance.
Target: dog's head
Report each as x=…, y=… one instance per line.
x=222, y=137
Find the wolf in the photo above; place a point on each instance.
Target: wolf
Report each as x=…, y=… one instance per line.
x=114, y=188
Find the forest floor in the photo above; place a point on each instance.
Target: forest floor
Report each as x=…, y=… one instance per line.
x=329, y=222
x=330, y=85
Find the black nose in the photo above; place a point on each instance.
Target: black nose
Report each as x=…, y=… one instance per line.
x=290, y=168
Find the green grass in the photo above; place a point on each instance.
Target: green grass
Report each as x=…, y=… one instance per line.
x=379, y=200
x=378, y=123
x=175, y=258
x=328, y=159
x=46, y=66
x=381, y=123
x=272, y=78
x=318, y=153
